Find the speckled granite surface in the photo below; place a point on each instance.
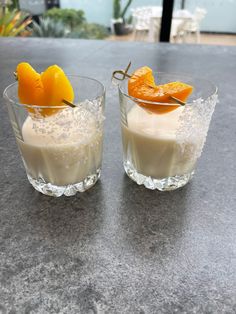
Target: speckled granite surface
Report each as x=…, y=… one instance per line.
x=120, y=248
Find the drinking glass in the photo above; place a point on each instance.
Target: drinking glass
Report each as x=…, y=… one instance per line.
x=61, y=152
x=160, y=151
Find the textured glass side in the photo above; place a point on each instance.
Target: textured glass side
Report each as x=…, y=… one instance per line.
x=123, y=108
x=194, y=124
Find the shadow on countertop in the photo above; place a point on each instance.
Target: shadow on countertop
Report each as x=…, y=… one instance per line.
x=66, y=219
x=135, y=221
x=152, y=225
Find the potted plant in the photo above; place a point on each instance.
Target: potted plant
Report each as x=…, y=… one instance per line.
x=118, y=22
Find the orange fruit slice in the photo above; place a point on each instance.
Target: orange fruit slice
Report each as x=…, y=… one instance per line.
x=142, y=85
x=46, y=89
x=30, y=87
x=56, y=88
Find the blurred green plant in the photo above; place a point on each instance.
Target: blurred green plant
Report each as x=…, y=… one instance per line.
x=13, y=4
x=13, y=23
x=89, y=31
x=48, y=27
x=69, y=17
x=118, y=12
x=116, y=9
x=129, y=20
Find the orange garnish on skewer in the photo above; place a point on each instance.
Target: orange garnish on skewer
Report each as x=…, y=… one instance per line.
x=50, y=88
x=142, y=85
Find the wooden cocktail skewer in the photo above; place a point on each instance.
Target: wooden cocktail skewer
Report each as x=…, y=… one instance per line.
x=66, y=102
x=125, y=74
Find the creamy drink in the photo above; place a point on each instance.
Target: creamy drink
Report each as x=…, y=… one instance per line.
x=150, y=144
x=164, y=123
x=62, y=149
x=58, y=124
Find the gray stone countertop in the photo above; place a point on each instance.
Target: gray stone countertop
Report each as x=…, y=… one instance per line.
x=119, y=248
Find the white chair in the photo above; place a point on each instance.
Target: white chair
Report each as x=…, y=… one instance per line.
x=141, y=22
x=193, y=26
x=177, y=34
x=178, y=29
x=179, y=20
x=154, y=30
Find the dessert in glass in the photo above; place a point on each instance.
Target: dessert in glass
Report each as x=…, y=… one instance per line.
x=58, y=124
x=164, y=126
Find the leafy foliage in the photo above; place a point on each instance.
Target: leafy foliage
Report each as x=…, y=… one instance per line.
x=56, y=23
x=90, y=31
x=48, y=27
x=13, y=4
x=13, y=23
x=126, y=8
x=117, y=11
x=69, y=17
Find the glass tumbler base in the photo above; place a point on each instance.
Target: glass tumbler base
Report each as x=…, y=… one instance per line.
x=165, y=184
x=67, y=190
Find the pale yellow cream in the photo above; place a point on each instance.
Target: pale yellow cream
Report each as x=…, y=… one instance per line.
x=63, y=149
x=150, y=144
